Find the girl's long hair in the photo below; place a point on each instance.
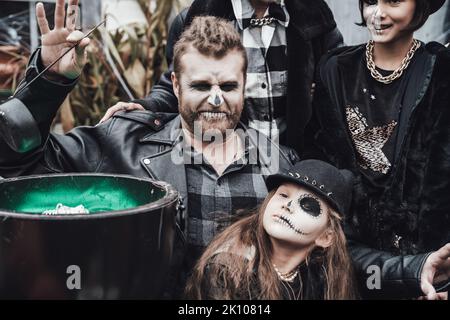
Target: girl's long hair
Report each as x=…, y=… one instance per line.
x=235, y=273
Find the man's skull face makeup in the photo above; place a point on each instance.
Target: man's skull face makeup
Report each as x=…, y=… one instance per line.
x=387, y=20
x=296, y=215
x=210, y=91
x=216, y=97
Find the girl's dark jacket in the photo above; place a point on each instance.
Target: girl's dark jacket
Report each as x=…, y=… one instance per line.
x=311, y=33
x=410, y=216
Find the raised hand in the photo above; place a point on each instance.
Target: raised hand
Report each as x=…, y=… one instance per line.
x=436, y=270
x=57, y=41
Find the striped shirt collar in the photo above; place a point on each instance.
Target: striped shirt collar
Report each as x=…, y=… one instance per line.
x=243, y=9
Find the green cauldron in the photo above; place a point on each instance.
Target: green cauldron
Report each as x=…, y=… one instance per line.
x=119, y=248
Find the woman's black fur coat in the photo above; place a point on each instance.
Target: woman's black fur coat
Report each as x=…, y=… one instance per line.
x=411, y=214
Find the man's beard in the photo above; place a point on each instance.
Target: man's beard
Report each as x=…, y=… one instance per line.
x=196, y=125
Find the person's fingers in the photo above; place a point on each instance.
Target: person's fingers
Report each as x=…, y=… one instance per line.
x=81, y=49
x=133, y=106
x=446, y=268
x=42, y=19
x=444, y=252
x=75, y=36
x=73, y=12
x=59, y=14
x=442, y=272
x=78, y=37
x=72, y=15
x=81, y=54
x=428, y=290
x=440, y=277
x=102, y=120
x=105, y=117
x=427, y=276
x=111, y=111
x=442, y=296
x=84, y=43
x=120, y=106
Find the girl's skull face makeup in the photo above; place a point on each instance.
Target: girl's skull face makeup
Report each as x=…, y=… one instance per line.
x=296, y=215
x=388, y=20
x=310, y=204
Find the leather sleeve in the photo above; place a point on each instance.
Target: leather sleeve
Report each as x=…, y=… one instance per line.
x=77, y=151
x=398, y=276
x=43, y=97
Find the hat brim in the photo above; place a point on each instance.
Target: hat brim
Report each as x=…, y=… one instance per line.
x=274, y=181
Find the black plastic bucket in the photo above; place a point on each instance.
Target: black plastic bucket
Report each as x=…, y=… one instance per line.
x=121, y=249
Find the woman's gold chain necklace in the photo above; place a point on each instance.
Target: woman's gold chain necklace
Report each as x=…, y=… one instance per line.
x=398, y=72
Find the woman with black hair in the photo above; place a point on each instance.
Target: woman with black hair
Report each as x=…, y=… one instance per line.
x=382, y=110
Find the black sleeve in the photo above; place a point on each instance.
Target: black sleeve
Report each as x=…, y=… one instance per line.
x=80, y=150
x=382, y=275
x=333, y=40
x=176, y=29
x=321, y=99
x=162, y=97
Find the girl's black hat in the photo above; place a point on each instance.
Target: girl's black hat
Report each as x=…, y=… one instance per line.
x=329, y=183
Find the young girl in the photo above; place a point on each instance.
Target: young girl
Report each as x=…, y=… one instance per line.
x=292, y=247
x=382, y=111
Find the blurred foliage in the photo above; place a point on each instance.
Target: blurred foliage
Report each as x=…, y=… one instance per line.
x=137, y=52
x=134, y=52
x=13, y=62
x=14, y=46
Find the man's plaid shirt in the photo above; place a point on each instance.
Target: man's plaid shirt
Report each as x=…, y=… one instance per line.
x=213, y=198
x=266, y=89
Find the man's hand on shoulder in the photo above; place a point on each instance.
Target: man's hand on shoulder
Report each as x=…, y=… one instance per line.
x=120, y=106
